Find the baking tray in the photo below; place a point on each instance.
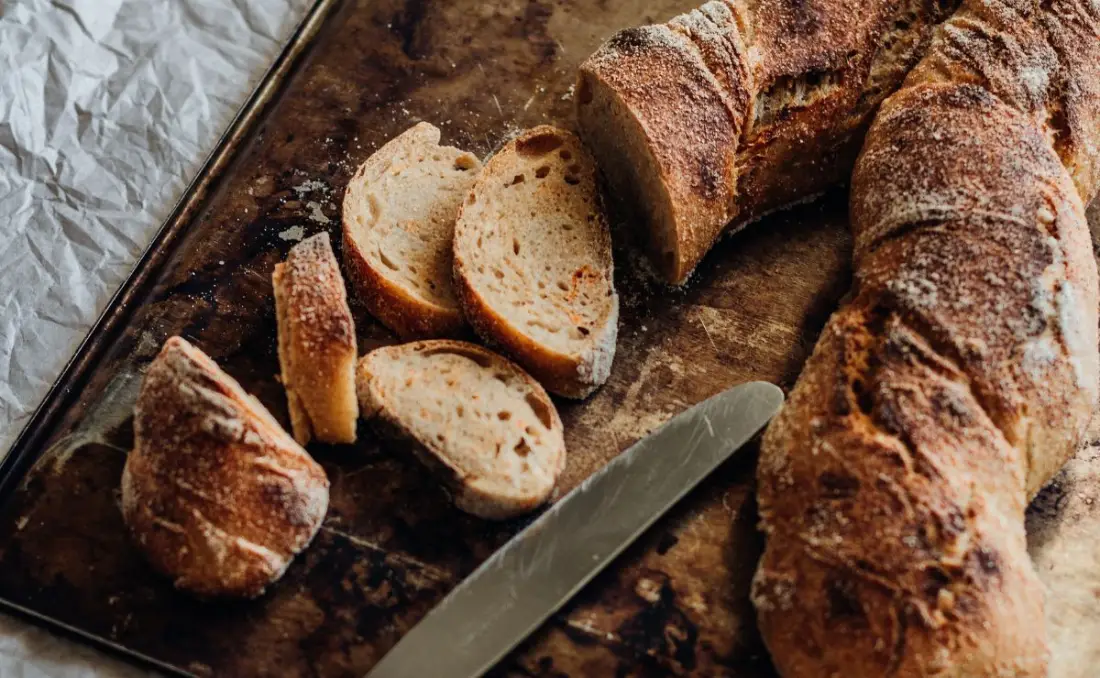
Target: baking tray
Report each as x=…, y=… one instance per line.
x=356, y=73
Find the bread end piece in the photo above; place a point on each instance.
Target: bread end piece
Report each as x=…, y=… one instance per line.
x=485, y=427
x=317, y=347
x=666, y=134
x=216, y=495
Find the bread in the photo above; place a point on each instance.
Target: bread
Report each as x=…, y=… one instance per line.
x=487, y=428
x=533, y=267
x=960, y=376
x=217, y=496
x=739, y=108
x=399, y=215
x=317, y=350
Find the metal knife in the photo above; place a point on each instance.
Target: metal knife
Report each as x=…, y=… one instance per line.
x=541, y=568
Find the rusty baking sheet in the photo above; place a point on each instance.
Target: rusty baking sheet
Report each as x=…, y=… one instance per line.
x=358, y=73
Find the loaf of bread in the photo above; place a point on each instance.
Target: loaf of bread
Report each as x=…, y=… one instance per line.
x=533, y=267
x=961, y=374
x=398, y=224
x=486, y=427
x=740, y=108
x=317, y=348
x=217, y=496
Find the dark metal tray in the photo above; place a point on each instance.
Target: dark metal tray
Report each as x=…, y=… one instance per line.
x=355, y=74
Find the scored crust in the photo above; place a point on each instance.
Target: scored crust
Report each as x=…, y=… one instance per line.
x=217, y=496
x=533, y=265
x=737, y=109
x=486, y=427
x=317, y=348
x=398, y=228
x=960, y=375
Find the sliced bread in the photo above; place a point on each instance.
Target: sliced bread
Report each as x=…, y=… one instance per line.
x=216, y=494
x=533, y=266
x=399, y=216
x=317, y=350
x=476, y=418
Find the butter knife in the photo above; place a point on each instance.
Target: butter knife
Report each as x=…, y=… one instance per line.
x=545, y=565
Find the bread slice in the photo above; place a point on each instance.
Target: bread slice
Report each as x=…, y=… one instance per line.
x=399, y=216
x=317, y=351
x=216, y=494
x=533, y=267
x=487, y=427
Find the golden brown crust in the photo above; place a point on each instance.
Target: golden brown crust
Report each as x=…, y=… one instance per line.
x=317, y=348
x=737, y=109
x=957, y=380
x=217, y=496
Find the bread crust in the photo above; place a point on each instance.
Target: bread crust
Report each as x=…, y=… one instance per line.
x=572, y=375
x=408, y=315
x=736, y=109
x=468, y=494
x=216, y=495
x=960, y=376
x=317, y=347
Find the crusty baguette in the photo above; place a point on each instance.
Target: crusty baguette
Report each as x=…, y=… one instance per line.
x=218, y=497
x=533, y=266
x=317, y=350
x=739, y=108
x=960, y=376
x=477, y=419
x=399, y=216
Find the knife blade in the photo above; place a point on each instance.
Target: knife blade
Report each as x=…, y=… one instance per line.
x=545, y=565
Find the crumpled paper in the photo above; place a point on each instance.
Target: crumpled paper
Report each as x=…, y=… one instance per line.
x=107, y=110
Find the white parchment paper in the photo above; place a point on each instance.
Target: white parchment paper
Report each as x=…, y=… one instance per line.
x=107, y=109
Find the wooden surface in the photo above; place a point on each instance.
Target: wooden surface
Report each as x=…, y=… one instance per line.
x=392, y=546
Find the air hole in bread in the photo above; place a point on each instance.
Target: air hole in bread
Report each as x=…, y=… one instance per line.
x=504, y=415
x=498, y=273
x=591, y=218
x=522, y=449
x=471, y=199
x=464, y=163
x=539, y=144
x=437, y=157
x=584, y=331
x=567, y=226
x=387, y=261
x=518, y=179
x=563, y=286
x=565, y=155
x=502, y=378
x=515, y=245
x=543, y=172
x=460, y=411
x=541, y=410
x=575, y=168
x=531, y=431
x=572, y=179
x=542, y=285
